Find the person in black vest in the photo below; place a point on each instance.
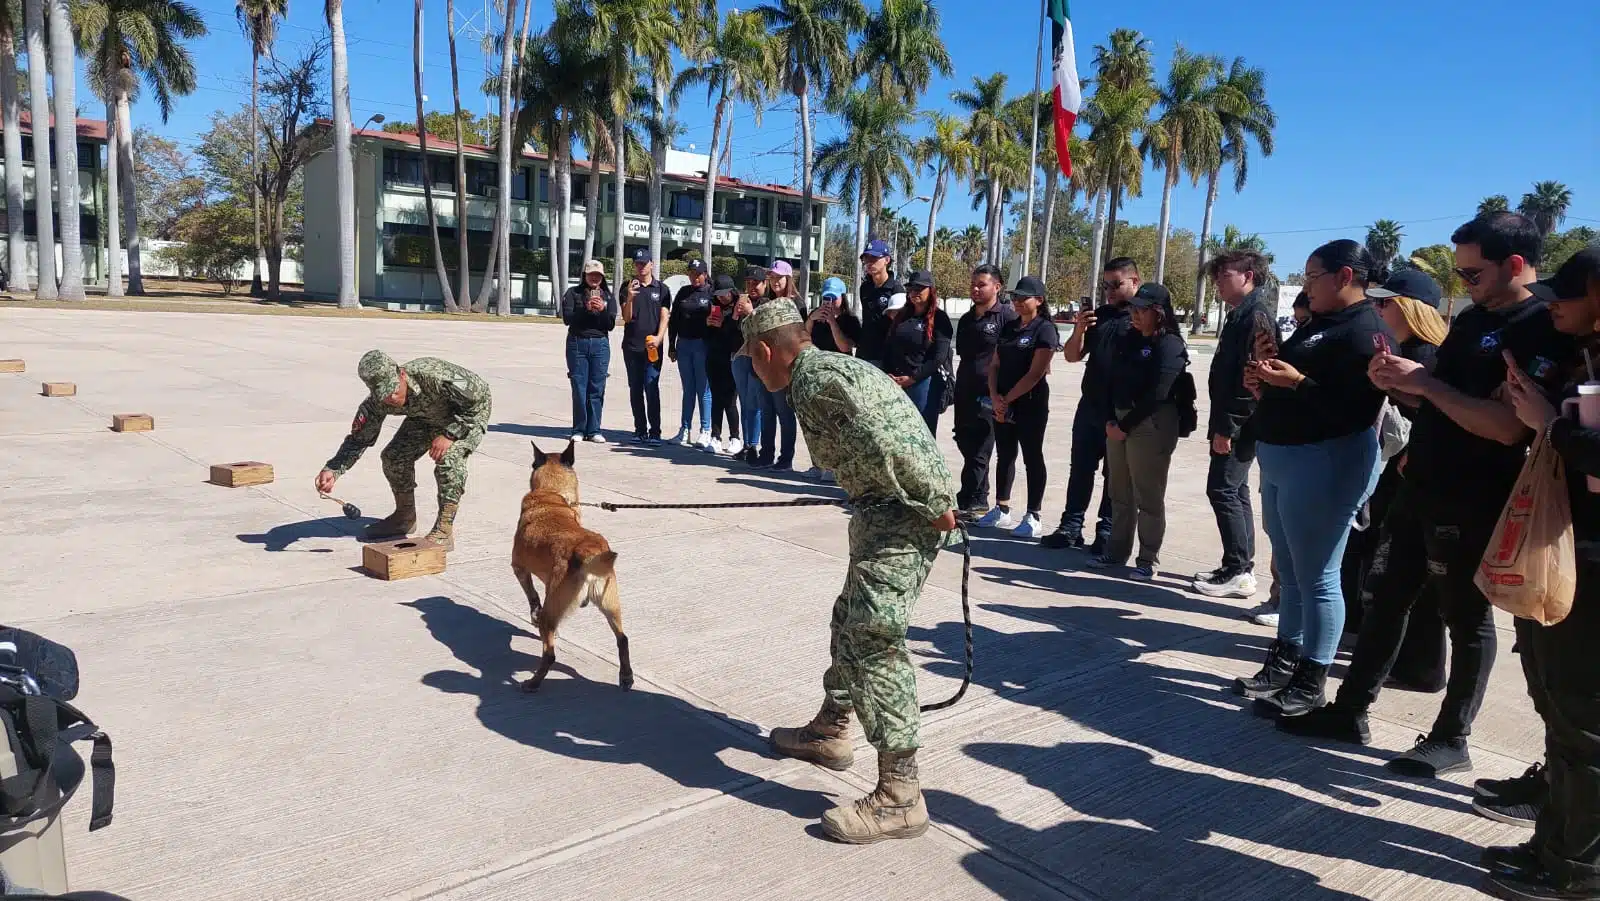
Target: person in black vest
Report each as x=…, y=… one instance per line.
x=1093, y=336
x=1562, y=859
x=919, y=341
x=1142, y=430
x=1240, y=277
x=645, y=304
x=590, y=311
x=1467, y=449
x=877, y=286
x=977, y=333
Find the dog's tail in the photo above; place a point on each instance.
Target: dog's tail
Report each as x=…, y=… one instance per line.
x=589, y=575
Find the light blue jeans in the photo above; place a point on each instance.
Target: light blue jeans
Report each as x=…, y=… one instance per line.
x=1309, y=497
x=696, y=387
x=750, y=395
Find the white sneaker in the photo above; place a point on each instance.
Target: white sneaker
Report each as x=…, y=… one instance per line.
x=704, y=440
x=1030, y=527
x=714, y=446
x=575, y=437
x=1270, y=620
x=735, y=445
x=1263, y=614
x=597, y=438
x=998, y=518
x=1221, y=585
x=682, y=439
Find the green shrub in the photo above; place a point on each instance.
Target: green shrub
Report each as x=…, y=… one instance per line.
x=732, y=267
x=672, y=267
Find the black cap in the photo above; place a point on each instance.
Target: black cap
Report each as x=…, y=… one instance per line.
x=724, y=285
x=921, y=278
x=698, y=266
x=1571, y=281
x=1151, y=294
x=1412, y=283
x=755, y=274
x=1028, y=286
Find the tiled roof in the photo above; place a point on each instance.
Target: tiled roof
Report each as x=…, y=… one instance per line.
x=94, y=129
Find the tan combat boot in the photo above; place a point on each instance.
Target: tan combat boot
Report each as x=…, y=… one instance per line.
x=397, y=524
x=825, y=741
x=895, y=809
x=444, y=527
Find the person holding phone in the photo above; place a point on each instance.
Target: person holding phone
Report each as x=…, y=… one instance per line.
x=750, y=390
x=723, y=341
x=687, y=331
x=919, y=342
x=833, y=326
x=590, y=312
x=778, y=432
x=645, y=304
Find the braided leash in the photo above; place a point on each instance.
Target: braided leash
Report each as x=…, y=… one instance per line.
x=966, y=564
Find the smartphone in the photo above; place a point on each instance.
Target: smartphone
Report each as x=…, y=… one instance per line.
x=1086, y=303
x=1380, y=342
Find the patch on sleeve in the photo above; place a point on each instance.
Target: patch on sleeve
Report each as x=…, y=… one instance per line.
x=1541, y=367
x=358, y=422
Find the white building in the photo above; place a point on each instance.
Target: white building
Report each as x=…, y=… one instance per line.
x=91, y=204
x=758, y=223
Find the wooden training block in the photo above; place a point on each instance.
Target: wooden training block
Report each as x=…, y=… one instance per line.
x=59, y=389
x=402, y=559
x=238, y=475
x=132, y=422
x=13, y=366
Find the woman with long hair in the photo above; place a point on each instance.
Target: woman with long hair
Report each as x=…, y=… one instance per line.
x=1019, y=397
x=1316, y=427
x=1146, y=363
x=919, y=342
x=778, y=425
x=749, y=387
x=590, y=311
x=688, y=327
x=724, y=340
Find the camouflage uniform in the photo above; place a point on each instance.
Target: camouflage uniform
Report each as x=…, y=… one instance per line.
x=441, y=399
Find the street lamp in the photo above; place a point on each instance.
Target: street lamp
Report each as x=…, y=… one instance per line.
x=896, y=215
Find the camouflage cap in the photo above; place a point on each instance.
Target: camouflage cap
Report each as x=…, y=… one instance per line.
x=769, y=316
x=380, y=372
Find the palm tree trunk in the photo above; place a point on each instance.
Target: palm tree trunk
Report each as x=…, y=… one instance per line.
x=113, y=226
x=804, y=284
x=255, y=171
x=1168, y=181
x=618, y=182
x=11, y=124
x=490, y=265
x=564, y=177
x=1111, y=222
x=422, y=146
x=992, y=252
x=43, y=196
x=1099, y=246
x=861, y=232
x=711, y=180
x=1049, y=223
x=344, y=165
x=464, y=262
x=727, y=151
x=591, y=209
x=933, y=211
x=130, y=198
x=502, y=209
x=1205, y=248
x=658, y=155
x=63, y=59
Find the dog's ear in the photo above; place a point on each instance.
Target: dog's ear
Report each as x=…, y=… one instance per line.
x=570, y=455
x=539, y=456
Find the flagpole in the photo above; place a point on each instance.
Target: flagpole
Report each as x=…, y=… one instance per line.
x=1033, y=155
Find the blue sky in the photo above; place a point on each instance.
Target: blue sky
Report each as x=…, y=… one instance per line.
x=1406, y=109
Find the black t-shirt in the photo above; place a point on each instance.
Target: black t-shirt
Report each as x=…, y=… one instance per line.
x=910, y=352
x=1110, y=323
x=1445, y=462
x=976, y=337
x=650, y=303
x=875, y=316
x=822, y=334
x=1018, y=343
x=583, y=322
x=1143, y=371
x=1337, y=397
x=689, y=311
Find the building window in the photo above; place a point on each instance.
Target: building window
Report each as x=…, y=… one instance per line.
x=519, y=183
x=816, y=215
x=482, y=177
x=401, y=168
x=443, y=171
x=686, y=206
x=580, y=189
x=742, y=211
x=636, y=198
x=544, y=185
x=789, y=215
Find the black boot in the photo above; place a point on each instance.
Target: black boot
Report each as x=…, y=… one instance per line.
x=1335, y=722
x=1281, y=659
x=1509, y=858
x=1302, y=695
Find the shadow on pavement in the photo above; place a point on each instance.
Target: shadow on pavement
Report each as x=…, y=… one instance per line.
x=279, y=538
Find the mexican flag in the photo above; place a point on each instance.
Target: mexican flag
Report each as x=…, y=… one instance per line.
x=1069, y=99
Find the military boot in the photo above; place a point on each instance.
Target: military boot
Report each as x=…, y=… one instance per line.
x=444, y=527
x=825, y=741
x=397, y=524
x=895, y=809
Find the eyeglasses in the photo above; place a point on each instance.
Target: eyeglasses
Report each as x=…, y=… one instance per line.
x=1470, y=276
x=1112, y=286
x=1313, y=276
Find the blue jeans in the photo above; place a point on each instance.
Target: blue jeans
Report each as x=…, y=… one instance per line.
x=644, y=392
x=588, y=365
x=696, y=387
x=927, y=395
x=776, y=412
x=750, y=392
x=1309, y=497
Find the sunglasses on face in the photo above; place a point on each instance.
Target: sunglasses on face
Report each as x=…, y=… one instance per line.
x=1112, y=286
x=1470, y=276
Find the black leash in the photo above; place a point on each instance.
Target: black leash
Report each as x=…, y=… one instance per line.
x=966, y=564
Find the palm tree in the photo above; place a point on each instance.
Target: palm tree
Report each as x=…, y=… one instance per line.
x=11, y=125
x=343, y=164
x=43, y=194
x=969, y=245
x=1187, y=135
x=63, y=60
x=947, y=151
x=1243, y=111
x=870, y=159
x=737, y=65
x=258, y=19
x=1494, y=203
x=463, y=264
x=811, y=43
x=446, y=294
x=990, y=131
x=1439, y=261
x=901, y=50
x=1383, y=240
x=1119, y=113
x=692, y=19
x=509, y=66
x=1546, y=205
x=130, y=42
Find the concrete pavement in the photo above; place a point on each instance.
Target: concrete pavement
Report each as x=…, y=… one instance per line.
x=287, y=727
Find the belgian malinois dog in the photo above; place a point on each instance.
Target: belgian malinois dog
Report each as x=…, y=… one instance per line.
x=575, y=564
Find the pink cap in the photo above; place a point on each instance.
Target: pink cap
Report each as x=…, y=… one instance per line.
x=781, y=267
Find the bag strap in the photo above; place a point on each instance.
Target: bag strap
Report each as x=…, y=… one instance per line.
x=48, y=723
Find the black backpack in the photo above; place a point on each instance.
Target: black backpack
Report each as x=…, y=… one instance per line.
x=1183, y=394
